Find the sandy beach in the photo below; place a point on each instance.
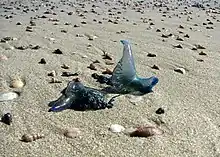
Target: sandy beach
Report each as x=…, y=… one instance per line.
x=185, y=41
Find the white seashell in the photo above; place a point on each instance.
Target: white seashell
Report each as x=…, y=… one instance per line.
x=5, y=96
x=17, y=83
x=116, y=128
x=72, y=133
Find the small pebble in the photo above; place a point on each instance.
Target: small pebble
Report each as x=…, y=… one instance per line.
x=155, y=67
x=160, y=111
x=92, y=67
x=96, y=61
x=54, y=80
x=72, y=133
x=52, y=73
x=202, y=53
x=200, y=60
x=180, y=70
x=31, y=137
x=200, y=46
x=18, y=23
x=151, y=55
x=178, y=46
x=57, y=51
x=68, y=74
x=107, y=56
x=179, y=39
x=109, y=62
x=107, y=71
x=7, y=118
x=116, y=128
x=146, y=131
x=42, y=61
x=64, y=66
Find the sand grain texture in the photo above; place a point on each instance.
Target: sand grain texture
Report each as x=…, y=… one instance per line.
x=191, y=100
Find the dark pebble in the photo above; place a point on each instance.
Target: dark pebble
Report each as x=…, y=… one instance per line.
x=7, y=118
x=160, y=111
x=42, y=61
x=151, y=55
x=68, y=74
x=58, y=51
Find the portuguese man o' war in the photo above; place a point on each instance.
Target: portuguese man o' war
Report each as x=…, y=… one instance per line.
x=79, y=97
x=124, y=79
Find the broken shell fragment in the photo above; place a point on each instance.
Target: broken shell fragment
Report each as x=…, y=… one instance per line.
x=107, y=56
x=146, y=131
x=5, y=96
x=116, y=128
x=92, y=67
x=72, y=133
x=17, y=83
x=107, y=71
x=54, y=80
x=31, y=137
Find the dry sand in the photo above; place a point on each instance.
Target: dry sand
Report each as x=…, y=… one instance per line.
x=191, y=101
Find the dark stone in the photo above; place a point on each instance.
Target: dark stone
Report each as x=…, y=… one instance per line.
x=160, y=111
x=7, y=118
x=58, y=51
x=42, y=61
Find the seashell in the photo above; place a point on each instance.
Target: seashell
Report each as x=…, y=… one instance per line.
x=116, y=128
x=5, y=96
x=31, y=137
x=109, y=62
x=84, y=56
x=7, y=118
x=92, y=67
x=68, y=74
x=3, y=57
x=180, y=70
x=199, y=46
x=107, y=56
x=72, y=133
x=155, y=67
x=65, y=66
x=91, y=37
x=146, y=131
x=54, y=80
x=178, y=46
x=17, y=83
x=96, y=61
x=107, y=71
